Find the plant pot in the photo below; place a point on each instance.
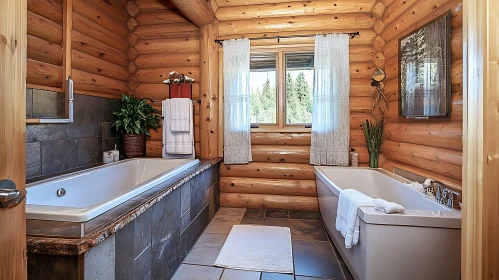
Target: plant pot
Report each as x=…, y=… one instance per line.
x=133, y=145
x=182, y=90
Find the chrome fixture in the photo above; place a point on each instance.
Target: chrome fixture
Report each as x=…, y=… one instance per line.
x=444, y=195
x=9, y=196
x=61, y=192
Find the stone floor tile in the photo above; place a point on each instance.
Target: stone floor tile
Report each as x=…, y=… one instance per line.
x=196, y=272
x=305, y=215
x=277, y=213
x=315, y=259
x=222, y=224
x=233, y=274
x=308, y=230
x=231, y=211
x=253, y=217
x=276, y=276
x=206, y=249
x=276, y=222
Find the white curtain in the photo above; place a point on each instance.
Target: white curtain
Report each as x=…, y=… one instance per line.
x=330, y=111
x=236, y=71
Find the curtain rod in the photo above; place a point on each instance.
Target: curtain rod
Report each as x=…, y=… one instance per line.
x=351, y=34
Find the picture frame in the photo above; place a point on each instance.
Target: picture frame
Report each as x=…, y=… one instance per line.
x=425, y=70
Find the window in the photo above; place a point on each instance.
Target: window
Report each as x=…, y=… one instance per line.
x=263, y=93
x=281, y=83
x=299, y=87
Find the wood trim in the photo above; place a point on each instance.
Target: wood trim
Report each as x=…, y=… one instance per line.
x=479, y=244
x=67, y=27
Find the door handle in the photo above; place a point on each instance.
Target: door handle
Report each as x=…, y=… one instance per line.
x=9, y=196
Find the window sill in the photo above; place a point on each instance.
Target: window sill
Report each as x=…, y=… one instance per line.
x=288, y=129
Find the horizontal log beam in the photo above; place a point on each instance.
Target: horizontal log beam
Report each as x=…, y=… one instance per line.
x=181, y=59
x=45, y=51
x=365, y=37
x=171, y=30
x=300, y=203
x=91, y=10
x=98, y=32
x=44, y=28
x=158, y=75
x=160, y=17
x=268, y=186
x=168, y=45
x=94, y=83
x=154, y=149
x=436, y=135
x=44, y=74
x=97, y=66
x=160, y=91
x=299, y=23
x=390, y=165
x=299, y=8
x=274, y=153
x=269, y=171
x=197, y=11
x=96, y=48
x=296, y=139
x=47, y=9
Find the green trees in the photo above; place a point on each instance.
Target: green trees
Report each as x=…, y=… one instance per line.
x=263, y=106
x=298, y=99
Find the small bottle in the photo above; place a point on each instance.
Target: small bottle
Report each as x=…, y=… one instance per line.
x=354, y=157
x=116, y=153
x=107, y=157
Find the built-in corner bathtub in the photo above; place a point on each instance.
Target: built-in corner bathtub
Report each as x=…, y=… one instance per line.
x=422, y=243
x=84, y=195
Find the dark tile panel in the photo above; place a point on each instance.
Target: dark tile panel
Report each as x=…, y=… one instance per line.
x=276, y=276
x=198, y=193
x=143, y=265
x=33, y=171
x=185, y=196
x=308, y=230
x=33, y=154
x=143, y=232
x=185, y=221
x=89, y=151
x=88, y=117
x=48, y=104
x=124, y=266
x=43, y=267
x=109, y=106
x=29, y=102
x=44, y=132
x=166, y=236
x=193, y=231
x=59, y=155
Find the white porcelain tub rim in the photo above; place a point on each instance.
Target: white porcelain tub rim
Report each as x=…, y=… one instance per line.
x=37, y=211
x=446, y=218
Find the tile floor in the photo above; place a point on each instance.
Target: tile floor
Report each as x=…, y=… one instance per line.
x=315, y=257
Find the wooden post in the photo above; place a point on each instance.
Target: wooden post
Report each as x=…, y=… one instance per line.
x=198, y=11
x=479, y=244
x=209, y=90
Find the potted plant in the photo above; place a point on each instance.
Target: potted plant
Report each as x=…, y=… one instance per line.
x=133, y=121
x=180, y=85
x=373, y=131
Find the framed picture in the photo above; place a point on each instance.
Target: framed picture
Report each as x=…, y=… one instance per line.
x=424, y=70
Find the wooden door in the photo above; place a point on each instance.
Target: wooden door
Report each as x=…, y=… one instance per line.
x=12, y=130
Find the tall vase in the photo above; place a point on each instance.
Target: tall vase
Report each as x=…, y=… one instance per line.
x=373, y=159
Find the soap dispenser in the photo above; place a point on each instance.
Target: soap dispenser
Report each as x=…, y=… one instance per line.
x=116, y=153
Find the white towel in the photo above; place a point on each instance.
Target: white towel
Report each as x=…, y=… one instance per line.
x=347, y=221
x=177, y=144
x=387, y=207
x=180, y=114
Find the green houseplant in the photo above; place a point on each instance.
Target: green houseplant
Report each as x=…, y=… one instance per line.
x=373, y=131
x=134, y=119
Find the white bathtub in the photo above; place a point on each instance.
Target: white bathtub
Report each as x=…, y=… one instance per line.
x=94, y=191
x=422, y=243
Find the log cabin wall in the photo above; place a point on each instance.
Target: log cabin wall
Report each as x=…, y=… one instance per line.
x=162, y=40
x=427, y=148
x=280, y=175
x=95, y=30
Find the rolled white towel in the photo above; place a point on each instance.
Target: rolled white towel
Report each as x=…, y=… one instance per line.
x=387, y=207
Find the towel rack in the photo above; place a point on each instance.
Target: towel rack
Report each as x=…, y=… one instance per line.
x=193, y=101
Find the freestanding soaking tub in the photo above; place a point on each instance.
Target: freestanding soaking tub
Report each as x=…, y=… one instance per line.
x=422, y=243
x=81, y=196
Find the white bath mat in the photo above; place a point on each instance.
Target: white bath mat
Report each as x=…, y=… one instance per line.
x=258, y=248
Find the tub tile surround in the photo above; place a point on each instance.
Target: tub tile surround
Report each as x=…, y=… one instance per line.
x=55, y=148
x=149, y=240
x=313, y=258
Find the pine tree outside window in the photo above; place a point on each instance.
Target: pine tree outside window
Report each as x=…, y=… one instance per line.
x=281, y=82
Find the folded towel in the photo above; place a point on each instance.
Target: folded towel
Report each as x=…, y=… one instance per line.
x=388, y=207
x=347, y=221
x=180, y=114
x=176, y=144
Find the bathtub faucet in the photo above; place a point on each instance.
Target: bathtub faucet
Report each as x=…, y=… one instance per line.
x=445, y=195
